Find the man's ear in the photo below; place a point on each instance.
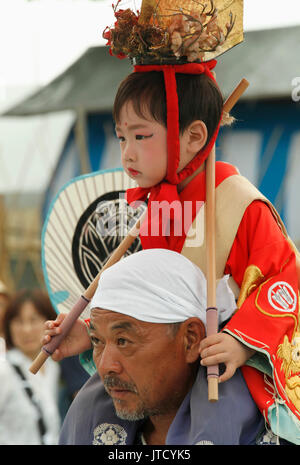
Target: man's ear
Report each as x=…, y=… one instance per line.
x=196, y=136
x=194, y=332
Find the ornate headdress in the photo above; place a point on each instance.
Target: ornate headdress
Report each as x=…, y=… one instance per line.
x=172, y=39
x=166, y=33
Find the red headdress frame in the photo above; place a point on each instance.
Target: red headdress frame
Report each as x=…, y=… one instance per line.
x=169, y=72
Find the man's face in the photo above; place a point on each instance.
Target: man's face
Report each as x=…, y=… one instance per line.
x=142, y=365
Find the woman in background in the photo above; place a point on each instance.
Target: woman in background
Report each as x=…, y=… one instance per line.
x=28, y=403
x=4, y=300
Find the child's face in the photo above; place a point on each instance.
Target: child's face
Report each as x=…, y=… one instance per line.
x=143, y=145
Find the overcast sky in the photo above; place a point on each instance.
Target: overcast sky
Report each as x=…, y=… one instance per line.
x=39, y=39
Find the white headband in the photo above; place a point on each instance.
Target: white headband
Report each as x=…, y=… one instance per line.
x=159, y=286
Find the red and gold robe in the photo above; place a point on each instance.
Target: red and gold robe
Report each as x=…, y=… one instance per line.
x=262, y=262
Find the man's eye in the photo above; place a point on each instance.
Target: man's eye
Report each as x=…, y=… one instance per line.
x=95, y=341
x=121, y=341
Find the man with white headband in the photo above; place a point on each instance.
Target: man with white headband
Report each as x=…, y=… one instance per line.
x=147, y=321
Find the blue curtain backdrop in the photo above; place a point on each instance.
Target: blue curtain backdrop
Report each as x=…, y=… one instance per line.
x=264, y=143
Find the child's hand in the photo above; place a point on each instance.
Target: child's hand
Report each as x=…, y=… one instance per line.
x=74, y=343
x=223, y=348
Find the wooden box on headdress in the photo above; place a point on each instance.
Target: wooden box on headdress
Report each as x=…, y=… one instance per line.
x=163, y=13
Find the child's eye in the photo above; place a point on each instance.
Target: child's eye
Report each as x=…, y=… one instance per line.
x=121, y=138
x=140, y=137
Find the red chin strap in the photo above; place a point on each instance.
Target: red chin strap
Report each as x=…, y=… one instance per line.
x=167, y=189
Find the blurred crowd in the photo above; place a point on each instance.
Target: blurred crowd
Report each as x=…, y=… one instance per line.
x=32, y=407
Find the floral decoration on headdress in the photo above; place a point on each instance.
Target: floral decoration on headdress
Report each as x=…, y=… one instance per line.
x=163, y=32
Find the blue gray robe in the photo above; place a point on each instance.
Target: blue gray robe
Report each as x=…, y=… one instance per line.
x=234, y=419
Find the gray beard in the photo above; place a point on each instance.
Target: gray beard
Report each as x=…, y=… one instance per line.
x=142, y=412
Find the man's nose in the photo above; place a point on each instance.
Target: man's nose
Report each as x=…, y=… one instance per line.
x=108, y=362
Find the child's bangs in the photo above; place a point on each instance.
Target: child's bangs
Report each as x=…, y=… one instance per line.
x=147, y=95
x=149, y=105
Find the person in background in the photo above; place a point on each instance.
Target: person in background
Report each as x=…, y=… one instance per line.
x=29, y=411
x=4, y=300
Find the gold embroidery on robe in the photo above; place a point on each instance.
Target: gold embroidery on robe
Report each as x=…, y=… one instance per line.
x=289, y=352
x=253, y=277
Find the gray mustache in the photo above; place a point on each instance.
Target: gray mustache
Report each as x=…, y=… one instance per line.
x=113, y=382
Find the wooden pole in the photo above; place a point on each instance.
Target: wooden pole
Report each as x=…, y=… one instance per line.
x=81, y=141
x=212, y=311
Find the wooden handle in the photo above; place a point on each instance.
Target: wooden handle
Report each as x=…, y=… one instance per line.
x=83, y=301
x=235, y=95
x=116, y=255
x=213, y=392
x=212, y=312
x=38, y=362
